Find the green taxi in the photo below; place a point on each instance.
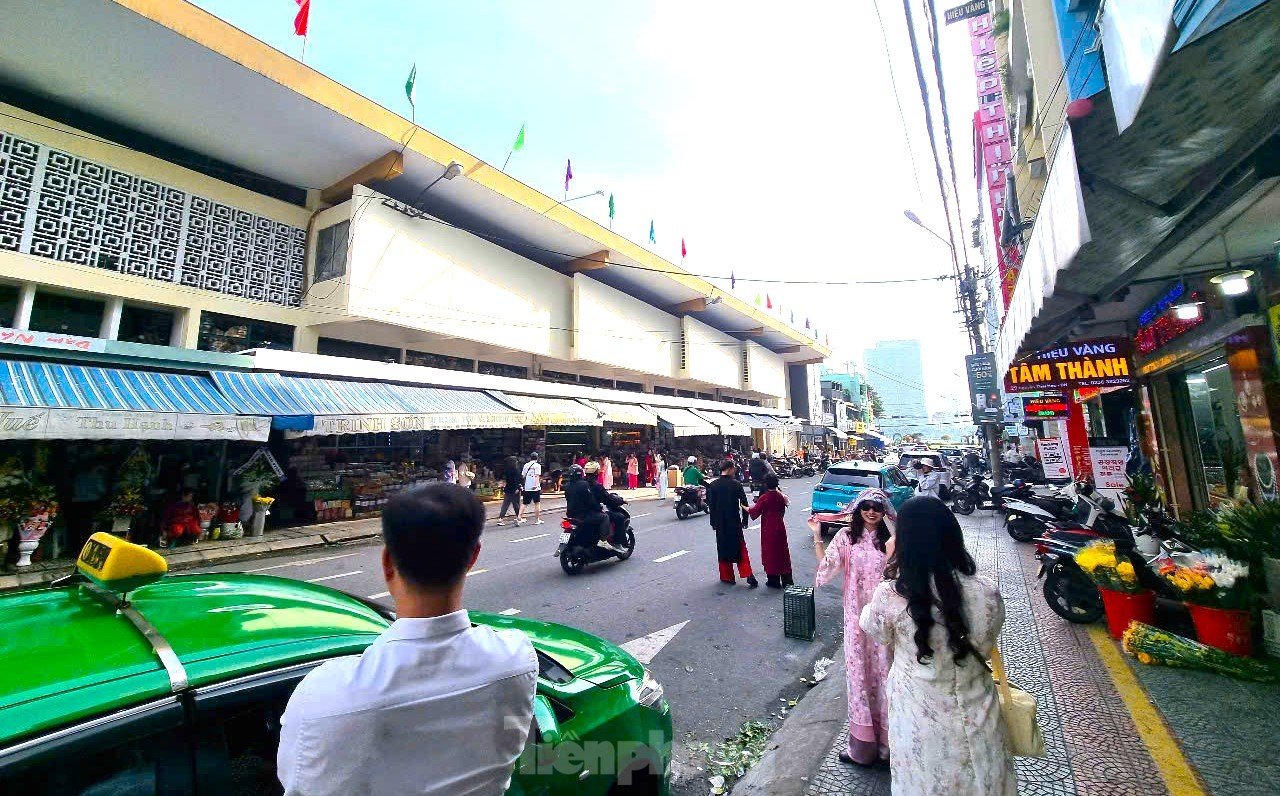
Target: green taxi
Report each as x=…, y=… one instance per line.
x=120, y=681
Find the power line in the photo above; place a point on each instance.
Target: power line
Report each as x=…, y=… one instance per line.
x=902, y=117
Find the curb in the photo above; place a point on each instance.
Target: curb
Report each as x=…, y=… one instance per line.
x=325, y=535
x=797, y=749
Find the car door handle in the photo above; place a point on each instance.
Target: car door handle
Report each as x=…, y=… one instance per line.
x=586, y=772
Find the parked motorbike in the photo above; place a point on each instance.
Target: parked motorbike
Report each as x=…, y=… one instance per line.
x=1028, y=469
x=975, y=494
x=690, y=500
x=1029, y=515
x=581, y=545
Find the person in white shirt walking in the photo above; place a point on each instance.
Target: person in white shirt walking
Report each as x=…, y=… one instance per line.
x=434, y=706
x=531, y=476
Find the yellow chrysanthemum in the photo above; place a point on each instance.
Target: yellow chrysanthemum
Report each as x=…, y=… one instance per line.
x=1145, y=658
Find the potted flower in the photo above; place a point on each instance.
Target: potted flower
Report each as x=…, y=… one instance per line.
x=206, y=511
x=1216, y=592
x=229, y=516
x=124, y=506
x=261, y=508
x=1258, y=526
x=1123, y=597
x=38, y=511
x=260, y=473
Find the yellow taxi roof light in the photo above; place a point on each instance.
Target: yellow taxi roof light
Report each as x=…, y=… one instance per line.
x=117, y=565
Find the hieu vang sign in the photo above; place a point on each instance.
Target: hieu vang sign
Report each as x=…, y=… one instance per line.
x=1103, y=362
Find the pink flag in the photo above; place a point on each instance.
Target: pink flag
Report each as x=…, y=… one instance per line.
x=303, y=17
x=683, y=251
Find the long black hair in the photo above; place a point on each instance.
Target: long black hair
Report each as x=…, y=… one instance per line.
x=858, y=526
x=927, y=555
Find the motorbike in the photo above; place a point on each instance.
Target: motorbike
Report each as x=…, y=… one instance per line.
x=690, y=500
x=973, y=495
x=1069, y=591
x=786, y=468
x=1028, y=469
x=580, y=546
x=1028, y=515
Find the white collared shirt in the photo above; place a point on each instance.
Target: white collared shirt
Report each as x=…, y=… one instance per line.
x=433, y=706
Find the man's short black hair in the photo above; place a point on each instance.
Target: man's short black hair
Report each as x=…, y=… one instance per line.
x=431, y=531
x=728, y=464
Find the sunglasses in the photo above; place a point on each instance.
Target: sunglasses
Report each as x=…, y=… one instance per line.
x=877, y=506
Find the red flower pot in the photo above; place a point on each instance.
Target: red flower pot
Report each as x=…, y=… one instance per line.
x=1228, y=630
x=1123, y=608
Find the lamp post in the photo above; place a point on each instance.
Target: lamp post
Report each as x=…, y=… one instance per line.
x=572, y=199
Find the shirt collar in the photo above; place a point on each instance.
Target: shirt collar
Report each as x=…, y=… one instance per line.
x=410, y=629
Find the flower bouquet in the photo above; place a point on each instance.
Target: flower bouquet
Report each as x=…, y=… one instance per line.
x=1157, y=647
x=229, y=516
x=1124, y=598
x=1216, y=591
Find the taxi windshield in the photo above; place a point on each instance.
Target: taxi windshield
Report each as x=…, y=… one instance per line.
x=850, y=478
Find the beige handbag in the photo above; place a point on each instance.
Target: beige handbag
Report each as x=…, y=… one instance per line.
x=1018, y=708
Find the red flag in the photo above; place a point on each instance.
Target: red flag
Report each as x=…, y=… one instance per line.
x=303, y=17
x=768, y=302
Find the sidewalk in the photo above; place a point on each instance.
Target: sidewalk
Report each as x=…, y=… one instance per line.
x=280, y=541
x=1103, y=715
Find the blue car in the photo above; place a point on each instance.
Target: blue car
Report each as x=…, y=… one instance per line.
x=841, y=484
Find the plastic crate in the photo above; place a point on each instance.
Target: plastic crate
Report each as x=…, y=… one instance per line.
x=798, y=615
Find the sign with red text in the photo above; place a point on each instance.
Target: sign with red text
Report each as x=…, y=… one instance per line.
x=64, y=342
x=1101, y=362
x=1108, y=467
x=1054, y=458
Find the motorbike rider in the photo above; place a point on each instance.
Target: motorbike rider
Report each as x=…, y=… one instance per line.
x=585, y=502
x=758, y=469
x=692, y=475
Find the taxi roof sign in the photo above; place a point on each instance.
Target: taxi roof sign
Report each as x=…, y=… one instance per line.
x=117, y=565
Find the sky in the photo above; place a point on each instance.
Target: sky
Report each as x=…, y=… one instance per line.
x=767, y=136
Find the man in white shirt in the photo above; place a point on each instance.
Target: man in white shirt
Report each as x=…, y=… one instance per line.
x=434, y=706
x=930, y=480
x=531, y=475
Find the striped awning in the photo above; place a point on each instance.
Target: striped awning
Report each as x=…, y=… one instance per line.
x=728, y=425
x=754, y=421
x=627, y=414
x=684, y=423
x=320, y=407
x=60, y=401
x=545, y=411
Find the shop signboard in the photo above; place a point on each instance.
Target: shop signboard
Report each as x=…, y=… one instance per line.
x=974, y=8
x=984, y=395
x=64, y=342
x=1045, y=406
x=1100, y=362
x=1109, y=467
x=29, y=423
x=326, y=425
x=1054, y=458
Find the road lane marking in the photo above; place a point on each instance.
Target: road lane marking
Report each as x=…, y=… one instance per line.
x=646, y=514
x=302, y=563
x=476, y=572
x=667, y=558
x=806, y=508
x=335, y=577
x=646, y=648
x=509, y=612
x=378, y=596
x=527, y=538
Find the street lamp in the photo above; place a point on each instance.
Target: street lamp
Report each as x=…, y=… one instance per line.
x=452, y=170
x=915, y=219
x=574, y=199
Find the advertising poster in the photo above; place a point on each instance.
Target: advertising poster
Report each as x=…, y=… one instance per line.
x=1251, y=406
x=984, y=395
x=1109, y=468
x=1053, y=455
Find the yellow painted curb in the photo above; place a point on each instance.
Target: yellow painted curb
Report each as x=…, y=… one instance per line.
x=1178, y=775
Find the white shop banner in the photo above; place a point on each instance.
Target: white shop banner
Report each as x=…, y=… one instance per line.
x=1054, y=458
x=1109, y=467
x=326, y=425
x=29, y=423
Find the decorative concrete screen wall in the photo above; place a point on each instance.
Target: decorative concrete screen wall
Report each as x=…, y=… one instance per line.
x=710, y=355
x=420, y=273
x=612, y=328
x=65, y=207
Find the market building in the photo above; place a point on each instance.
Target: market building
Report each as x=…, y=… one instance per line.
x=257, y=260
x=1137, y=207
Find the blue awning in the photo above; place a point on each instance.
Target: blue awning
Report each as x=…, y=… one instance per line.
x=61, y=401
x=317, y=407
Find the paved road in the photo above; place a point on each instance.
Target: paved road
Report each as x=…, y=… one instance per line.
x=729, y=663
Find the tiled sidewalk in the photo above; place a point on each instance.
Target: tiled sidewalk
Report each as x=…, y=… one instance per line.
x=1092, y=746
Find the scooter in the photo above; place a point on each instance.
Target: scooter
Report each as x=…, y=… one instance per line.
x=691, y=500
x=1030, y=515
x=580, y=546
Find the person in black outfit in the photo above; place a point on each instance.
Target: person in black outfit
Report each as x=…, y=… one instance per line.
x=510, y=490
x=759, y=469
x=728, y=502
x=585, y=499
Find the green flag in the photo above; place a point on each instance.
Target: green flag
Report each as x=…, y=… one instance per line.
x=519, y=144
x=610, y=207
x=409, y=84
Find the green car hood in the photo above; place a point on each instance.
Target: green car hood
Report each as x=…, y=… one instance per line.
x=589, y=657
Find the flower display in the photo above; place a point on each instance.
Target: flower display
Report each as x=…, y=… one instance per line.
x=263, y=500
x=1155, y=647
x=207, y=512
x=126, y=503
x=1215, y=581
x=1098, y=560
x=229, y=512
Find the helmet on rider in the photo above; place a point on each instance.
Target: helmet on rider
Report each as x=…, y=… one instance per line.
x=693, y=460
x=592, y=468
x=575, y=472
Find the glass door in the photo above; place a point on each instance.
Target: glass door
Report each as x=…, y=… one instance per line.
x=1216, y=438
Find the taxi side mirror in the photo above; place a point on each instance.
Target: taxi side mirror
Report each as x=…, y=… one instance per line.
x=544, y=718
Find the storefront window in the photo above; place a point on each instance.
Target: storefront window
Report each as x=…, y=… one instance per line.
x=442, y=361
x=145, y=325
x=346, y=348
x=686, y=393
x=629, y=386
x=8, y=304
x=499, y=369
x=66, y=315
x=331, y=251
x=663, y=391
x=229, y=334
x=1218, y=436
x=559, y=376
x=592, y=381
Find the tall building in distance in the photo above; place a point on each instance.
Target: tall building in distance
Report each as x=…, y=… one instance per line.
x=896, y=371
